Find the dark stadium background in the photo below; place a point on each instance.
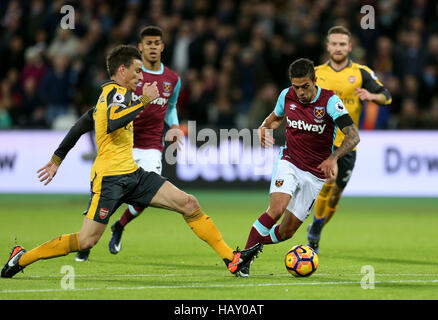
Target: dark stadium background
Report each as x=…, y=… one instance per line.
x=232, y=57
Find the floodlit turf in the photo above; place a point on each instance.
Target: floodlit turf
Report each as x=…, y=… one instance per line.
x=162, y=259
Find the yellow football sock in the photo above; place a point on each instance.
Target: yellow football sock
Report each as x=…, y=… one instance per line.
x=322, y=200
x=204, y=228
x=60, y=246
x=329, y=212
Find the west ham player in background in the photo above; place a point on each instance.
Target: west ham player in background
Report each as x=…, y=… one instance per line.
x=313, y=115
x=149, y=125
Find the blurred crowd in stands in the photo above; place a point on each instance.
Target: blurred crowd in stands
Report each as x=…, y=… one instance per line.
x=232, y=56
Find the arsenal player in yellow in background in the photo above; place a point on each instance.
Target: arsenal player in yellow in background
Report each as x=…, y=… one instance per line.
x=353, y=83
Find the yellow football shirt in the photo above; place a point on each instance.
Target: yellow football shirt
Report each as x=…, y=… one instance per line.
x=343, y=82
x=113, y=116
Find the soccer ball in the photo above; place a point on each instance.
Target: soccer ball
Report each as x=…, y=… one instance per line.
x=301, y=261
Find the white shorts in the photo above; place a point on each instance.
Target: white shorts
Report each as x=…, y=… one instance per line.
x=148, y=159
x=302, y=186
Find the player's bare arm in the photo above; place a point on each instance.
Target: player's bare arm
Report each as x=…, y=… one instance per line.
x=365, y=95
x=372, y=89
x=329, y=166
x=272, y=122
x=350, y=141
x=83, y=125
x=47, y=172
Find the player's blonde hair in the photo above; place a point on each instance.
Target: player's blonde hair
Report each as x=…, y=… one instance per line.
x=339, y=30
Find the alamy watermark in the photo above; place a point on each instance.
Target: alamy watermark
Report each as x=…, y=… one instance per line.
x=226, y=147
x=68, y=20
x=368, y=21
x=68, y=280
x=369, y=279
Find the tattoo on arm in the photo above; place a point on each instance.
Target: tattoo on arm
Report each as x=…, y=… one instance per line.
x=351, y=140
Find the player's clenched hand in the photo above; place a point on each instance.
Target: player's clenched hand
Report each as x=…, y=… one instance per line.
x=151, y=90
x=266, y=138
x=47, y=172
x=329, y=167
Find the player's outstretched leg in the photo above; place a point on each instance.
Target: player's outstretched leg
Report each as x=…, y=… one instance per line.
x=172, y=198
x=261, y=228
x=89, y=235
x=20, y=258
x=270, y=233
x=115, y=243
x=11, y=268
x=242, y=259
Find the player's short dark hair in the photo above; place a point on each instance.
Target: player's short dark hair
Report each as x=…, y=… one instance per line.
x=302, y=68
x=121, y=55
x=339, y=30
x=151, y=31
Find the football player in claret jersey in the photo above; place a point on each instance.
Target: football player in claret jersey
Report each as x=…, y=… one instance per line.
x=116, y=177
x=353, y=83
x=150, y=123
x=312, y=117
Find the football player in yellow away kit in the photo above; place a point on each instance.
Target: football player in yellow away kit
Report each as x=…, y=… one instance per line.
x=353, y=83
x=116, y=178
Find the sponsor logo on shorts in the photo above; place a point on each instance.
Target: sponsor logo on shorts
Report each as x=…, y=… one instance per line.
x=279, y=182
x=103, y=213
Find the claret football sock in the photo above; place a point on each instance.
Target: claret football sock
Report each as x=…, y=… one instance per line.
x=260, y=229
x=130, y=213
x=203, y=226
x=60, y=246
x=274, y=235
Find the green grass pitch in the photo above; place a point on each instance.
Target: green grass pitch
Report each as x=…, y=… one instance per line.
x=161, y=259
